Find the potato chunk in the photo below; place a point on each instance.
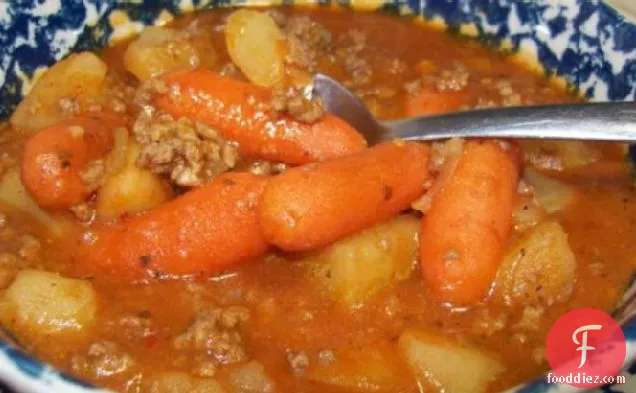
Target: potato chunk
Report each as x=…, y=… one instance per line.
x=13, y=194
x=448, y=366
x=256, y=45
x=377, y=368
x=553, y=195
x=539, y=269
x=355, y=268
x=159, y=50
x=178, y=382
x=80, y=77
x=42, y=303
x=131, y=190
x=560, y=155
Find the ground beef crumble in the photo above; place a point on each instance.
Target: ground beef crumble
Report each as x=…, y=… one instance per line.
x=230, y=70
x=84, y=212
x=293, y=101
x=29, y=248
x=350, y=49
x=136, y=327
x=215, y=334
x=94, y=174
x=103, y=359
x=298, y=361
x=455, y=78
x=326, y=356
x=68, y=106
x=307, y=41
x=267, y=168
x=190, y=153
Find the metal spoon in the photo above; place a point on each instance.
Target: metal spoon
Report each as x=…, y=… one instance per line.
x=610, y=121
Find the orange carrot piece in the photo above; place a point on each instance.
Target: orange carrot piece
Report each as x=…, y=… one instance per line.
x=429, y=102
x=55, y=157
x=206, y=230
x=240, y=112
x=464, y=233
x=311, y=206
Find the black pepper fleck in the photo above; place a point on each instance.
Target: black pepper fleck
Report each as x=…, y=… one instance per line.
x=144, y=260
x=388, y=192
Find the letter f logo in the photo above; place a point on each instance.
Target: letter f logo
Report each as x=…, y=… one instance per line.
x=584, y=347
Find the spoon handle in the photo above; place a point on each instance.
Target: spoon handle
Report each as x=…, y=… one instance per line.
x=611, y=121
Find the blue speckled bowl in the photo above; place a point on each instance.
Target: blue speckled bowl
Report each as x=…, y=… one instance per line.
x=584, y=41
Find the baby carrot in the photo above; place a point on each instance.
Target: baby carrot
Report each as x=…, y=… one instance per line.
x=465, y=231
x=55, y=157
x=205, y=231
x=429, y=102
x=313, y=205
x=240, y=112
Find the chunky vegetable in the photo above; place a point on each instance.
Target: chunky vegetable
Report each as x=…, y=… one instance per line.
x=465, y=232
x=312, y=206
x=208, y=229
x=56, y=157
x=159, y=50
x=445, y=365
x=79, y=77
x=553, y=195
x=13, y=194
x=539, y=269
x=257, y=46
x=41, y=303
x=377, y=368
x=357, y=267
x=240, y=112
x=131, y=189
x=527, y=213
x=560, y=155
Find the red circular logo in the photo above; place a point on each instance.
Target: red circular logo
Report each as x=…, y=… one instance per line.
x=585, y=348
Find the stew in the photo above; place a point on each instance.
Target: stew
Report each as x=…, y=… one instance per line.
x=177, y=214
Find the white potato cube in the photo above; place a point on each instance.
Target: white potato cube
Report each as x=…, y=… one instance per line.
x=43, y=303
x=80, y=76
x=446, y=365
x=355, y=268
x=257, y=46
x=539, y=269
x=552, y=194
x=131, y=190
x=159, y=50
x=14, y=195
x=560, y=155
